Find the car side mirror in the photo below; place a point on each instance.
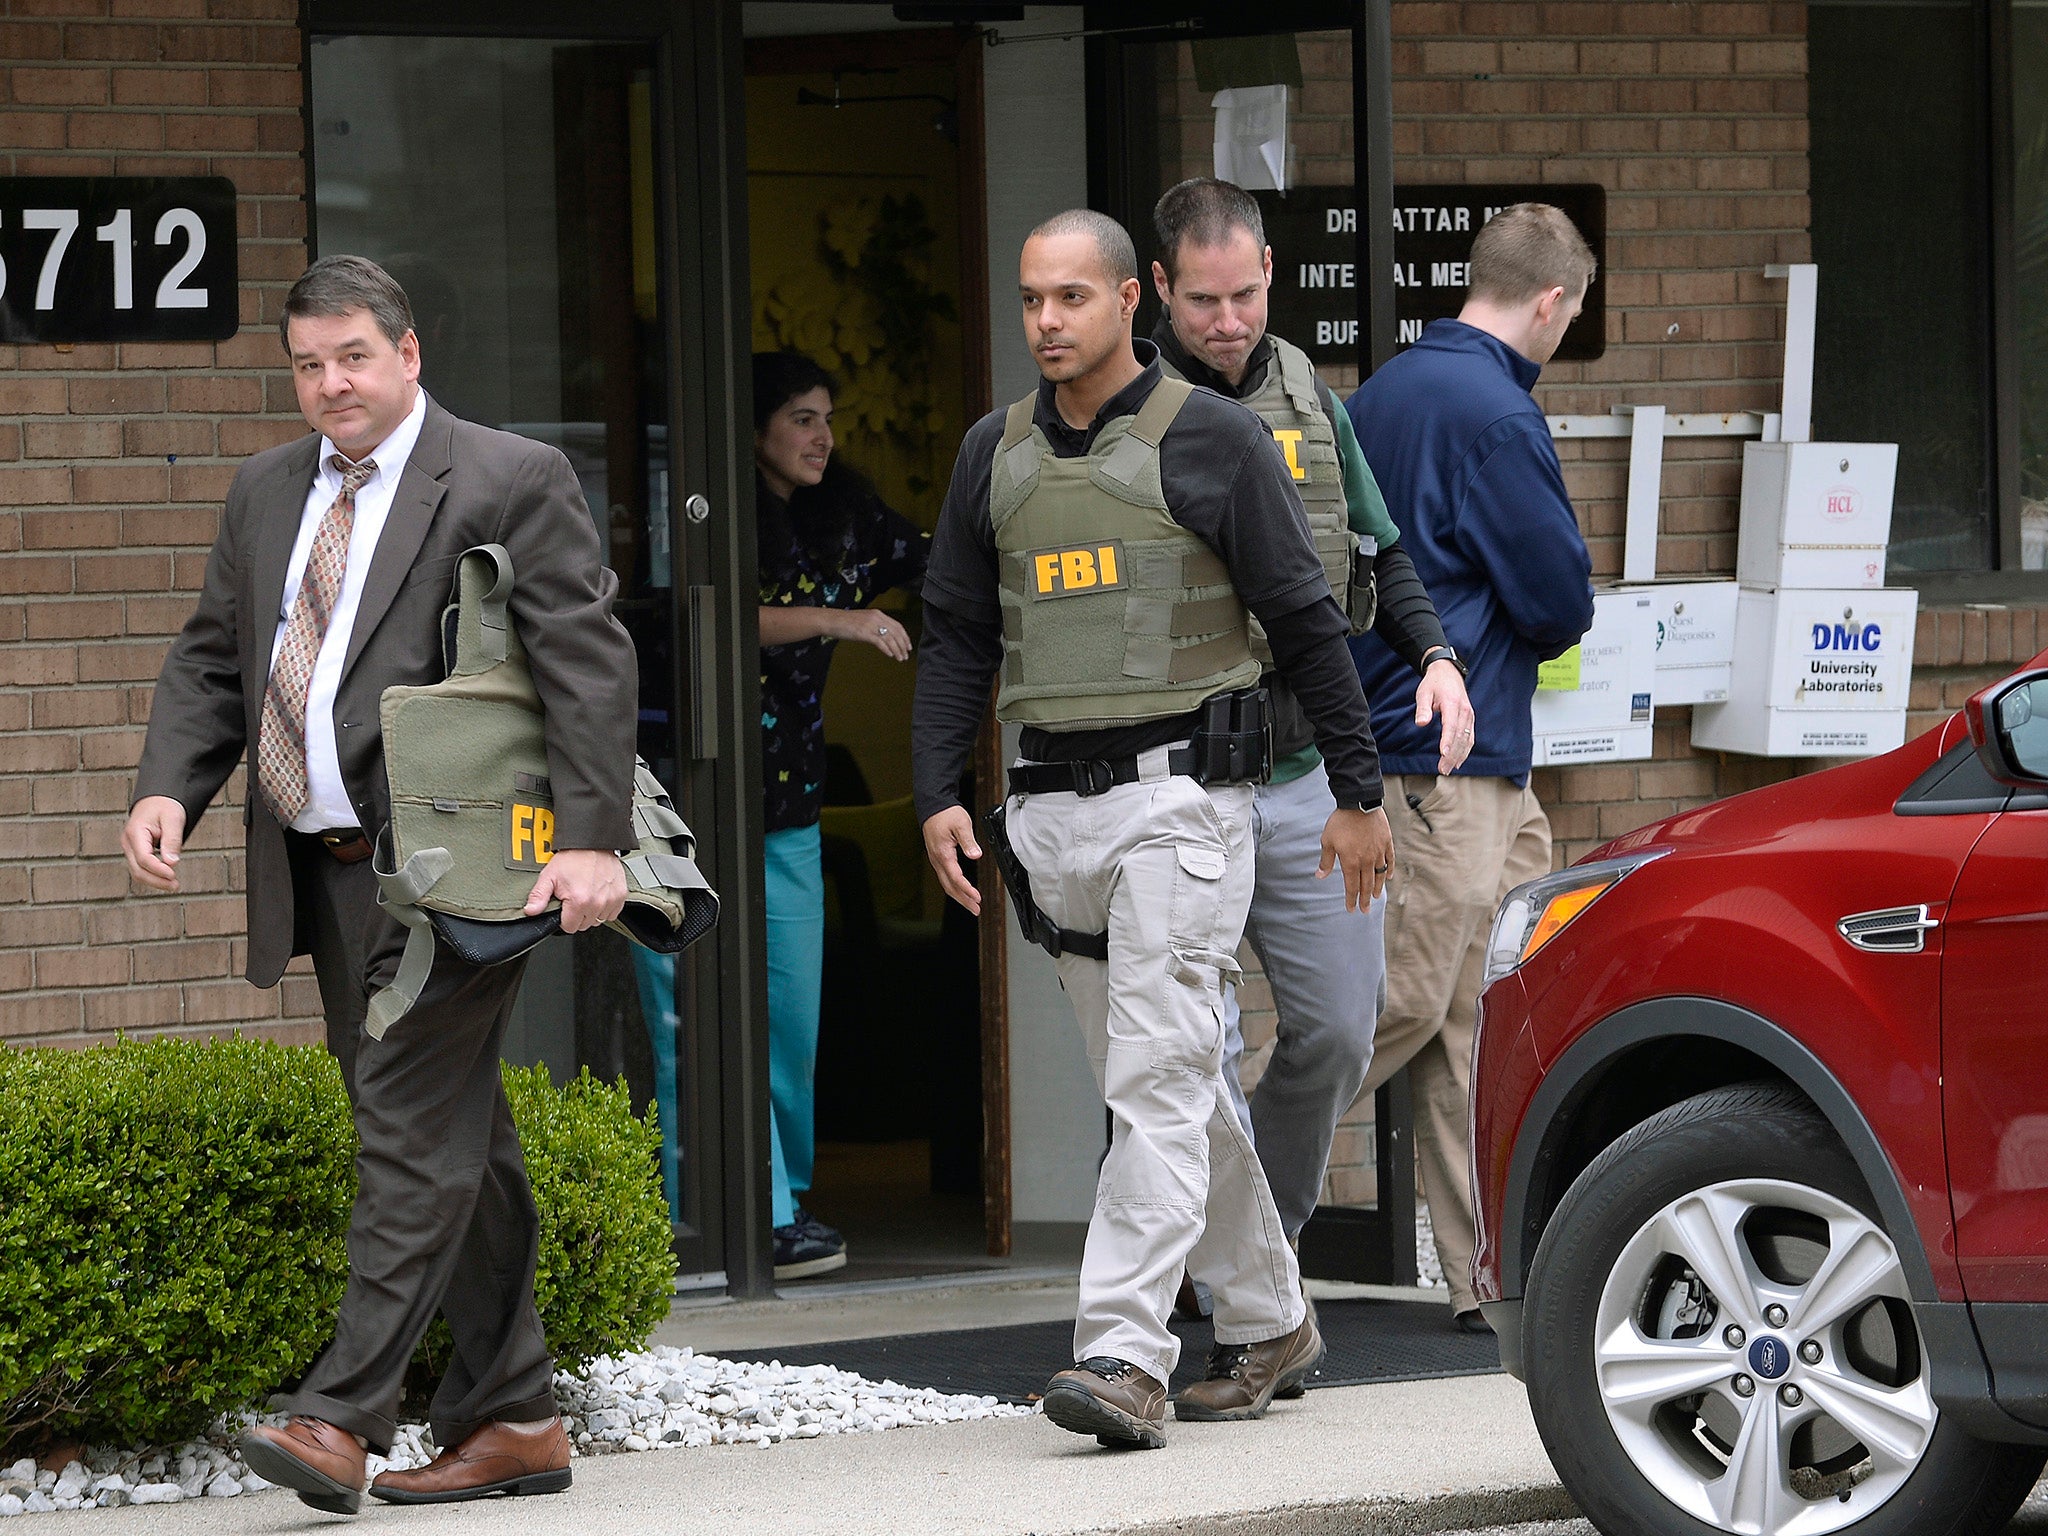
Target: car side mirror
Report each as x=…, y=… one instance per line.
x=2009, y=728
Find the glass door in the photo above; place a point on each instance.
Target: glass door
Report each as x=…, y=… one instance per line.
x=516, y=187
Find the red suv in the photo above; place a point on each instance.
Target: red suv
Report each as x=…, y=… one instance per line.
x=1760, y=1147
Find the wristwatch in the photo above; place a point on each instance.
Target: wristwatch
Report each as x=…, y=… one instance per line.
x=1437, y=653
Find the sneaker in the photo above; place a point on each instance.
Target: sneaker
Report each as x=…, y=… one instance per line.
x=1244, y=1378
x=817, y=1229
x=1121, y=1406
x=801, y=1252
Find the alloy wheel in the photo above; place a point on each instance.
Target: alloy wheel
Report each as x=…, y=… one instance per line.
x=1758, y=1360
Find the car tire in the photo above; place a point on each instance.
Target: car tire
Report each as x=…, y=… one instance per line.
x=1668, y=1409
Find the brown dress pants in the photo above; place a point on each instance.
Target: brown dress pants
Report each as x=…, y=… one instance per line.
x=1464, y=845
x=444, y=1217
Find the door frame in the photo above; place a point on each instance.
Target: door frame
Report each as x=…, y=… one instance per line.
x=702, y=255
x=963, y=49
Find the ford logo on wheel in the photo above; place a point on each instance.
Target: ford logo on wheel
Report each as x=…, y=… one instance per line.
x=1769, y=1358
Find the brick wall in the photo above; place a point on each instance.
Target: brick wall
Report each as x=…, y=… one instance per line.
x=113, y=463
x=1693, y=118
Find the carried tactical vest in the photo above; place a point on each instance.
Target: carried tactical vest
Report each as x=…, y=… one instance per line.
x=472, y=811
x=1113, y=613
x=1288, y=403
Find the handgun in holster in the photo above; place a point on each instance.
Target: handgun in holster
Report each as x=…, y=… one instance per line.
x=1038, y=928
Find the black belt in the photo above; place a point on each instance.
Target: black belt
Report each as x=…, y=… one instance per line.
x=1087, y=776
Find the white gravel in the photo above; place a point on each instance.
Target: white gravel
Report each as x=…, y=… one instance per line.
x=649, y=1400
x=1428, y=1271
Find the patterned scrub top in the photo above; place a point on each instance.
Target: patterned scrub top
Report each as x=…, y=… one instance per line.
x=882, y=550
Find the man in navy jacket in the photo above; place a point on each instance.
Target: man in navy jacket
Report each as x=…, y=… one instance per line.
x=1465, y=459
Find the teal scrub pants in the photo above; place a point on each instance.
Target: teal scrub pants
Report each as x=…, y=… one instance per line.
x=656, y=976
x=795, y=890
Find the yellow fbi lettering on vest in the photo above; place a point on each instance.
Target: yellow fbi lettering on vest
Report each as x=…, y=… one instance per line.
x=1075, y=569
x=529, y=823
x=1289, y=439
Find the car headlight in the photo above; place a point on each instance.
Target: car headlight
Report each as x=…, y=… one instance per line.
x=1535, y=913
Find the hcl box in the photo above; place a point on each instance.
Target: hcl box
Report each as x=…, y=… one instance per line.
x=1593, y=704
x=1695, y=638
x=1815, y=514
x=1817, y=674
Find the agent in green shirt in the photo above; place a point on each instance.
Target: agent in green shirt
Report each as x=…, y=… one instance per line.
x=1325, y=964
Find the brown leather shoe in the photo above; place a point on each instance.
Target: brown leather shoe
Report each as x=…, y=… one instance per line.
x=493, y=1460
x=1121, y=1406
x=318, y=1461
x=1288, y=1391
x=1243, y=1378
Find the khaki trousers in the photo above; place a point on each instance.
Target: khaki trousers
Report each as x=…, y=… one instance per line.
x=1460, y=845
x=1165, y=866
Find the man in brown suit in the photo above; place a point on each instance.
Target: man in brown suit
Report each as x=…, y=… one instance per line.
x=326, y=585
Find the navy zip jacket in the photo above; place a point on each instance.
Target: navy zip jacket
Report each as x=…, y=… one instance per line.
x=1461, y=451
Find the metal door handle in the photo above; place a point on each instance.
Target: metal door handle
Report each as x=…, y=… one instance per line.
x=703, y=665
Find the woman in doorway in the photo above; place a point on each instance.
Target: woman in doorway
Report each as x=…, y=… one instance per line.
x=828, y=548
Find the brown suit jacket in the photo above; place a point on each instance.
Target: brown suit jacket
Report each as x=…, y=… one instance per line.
x=464, y=485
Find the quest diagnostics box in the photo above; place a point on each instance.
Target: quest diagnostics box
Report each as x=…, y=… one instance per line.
x=1817, y=674
x=1695, y=638
x=1593, y=703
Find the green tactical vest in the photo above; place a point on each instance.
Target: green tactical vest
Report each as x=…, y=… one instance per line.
x=1113, y=613
x=472, y=810
x=1288, y=403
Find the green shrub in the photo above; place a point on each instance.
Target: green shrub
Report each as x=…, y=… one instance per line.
x=172, y=1218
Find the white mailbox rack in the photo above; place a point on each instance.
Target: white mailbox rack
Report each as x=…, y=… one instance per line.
x=1646, y=426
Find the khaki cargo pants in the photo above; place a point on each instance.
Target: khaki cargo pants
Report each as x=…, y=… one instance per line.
x=1457, y=852
x=1166, y=866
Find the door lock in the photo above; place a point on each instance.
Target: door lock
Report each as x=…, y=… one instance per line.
x=696, y=508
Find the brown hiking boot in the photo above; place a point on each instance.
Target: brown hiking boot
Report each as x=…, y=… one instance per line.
x=1287, y=1391
x=1243, y=1378
x=1121, y=1406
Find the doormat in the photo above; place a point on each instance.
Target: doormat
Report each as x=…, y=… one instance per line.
x=1368, y=1341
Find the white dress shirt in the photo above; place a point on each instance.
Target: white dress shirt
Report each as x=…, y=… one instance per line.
x=327, y=802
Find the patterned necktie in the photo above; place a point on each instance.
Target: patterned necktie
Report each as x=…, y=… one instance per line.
x=281, y=739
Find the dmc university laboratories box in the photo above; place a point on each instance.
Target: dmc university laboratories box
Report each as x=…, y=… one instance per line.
x=1818, y=673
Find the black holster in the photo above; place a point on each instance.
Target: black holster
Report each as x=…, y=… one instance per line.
x=1233, y=744
x=1038, y=928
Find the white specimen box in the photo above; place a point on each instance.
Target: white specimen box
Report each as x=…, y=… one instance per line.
x=1607, y=717
x=1815, y=514
x=1695, y=638
x=1817, y=674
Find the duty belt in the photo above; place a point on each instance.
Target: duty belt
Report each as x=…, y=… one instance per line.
x=1233, y=744
x=1091, y=775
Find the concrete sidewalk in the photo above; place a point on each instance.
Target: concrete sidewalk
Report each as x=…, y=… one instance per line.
x=1402, y=1457
x=1408, y=1457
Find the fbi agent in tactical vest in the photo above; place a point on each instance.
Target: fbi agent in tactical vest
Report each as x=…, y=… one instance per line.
x=1325, y=964
x=1102, y=549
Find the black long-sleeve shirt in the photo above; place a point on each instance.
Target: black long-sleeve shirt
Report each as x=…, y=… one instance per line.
x=1225, y=481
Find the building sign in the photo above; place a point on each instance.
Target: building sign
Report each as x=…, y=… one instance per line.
x=1314, y=235
x=117, y=258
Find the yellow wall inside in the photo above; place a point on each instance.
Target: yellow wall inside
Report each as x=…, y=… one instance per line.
x=815, y=174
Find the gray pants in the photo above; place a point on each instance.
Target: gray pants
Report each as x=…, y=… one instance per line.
x=444, y=1218
x=1165, y=866
x=1327, y=969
